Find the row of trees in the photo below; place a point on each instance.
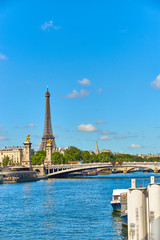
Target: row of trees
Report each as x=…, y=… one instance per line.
x=74, y=154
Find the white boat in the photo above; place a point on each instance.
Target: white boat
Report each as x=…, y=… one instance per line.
x=116, y=198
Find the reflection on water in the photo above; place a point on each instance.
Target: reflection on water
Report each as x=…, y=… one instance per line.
x=117, y=224
x=124, y=232
x=116, y=215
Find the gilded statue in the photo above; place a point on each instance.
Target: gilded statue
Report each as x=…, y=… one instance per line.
x=49, y=141
x=28, y=139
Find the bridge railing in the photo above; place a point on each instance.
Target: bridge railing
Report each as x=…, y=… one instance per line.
x=69, y=166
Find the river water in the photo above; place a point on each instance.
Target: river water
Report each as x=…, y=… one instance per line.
x=73, y=209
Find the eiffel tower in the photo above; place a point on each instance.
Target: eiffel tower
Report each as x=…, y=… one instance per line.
x=48, y=133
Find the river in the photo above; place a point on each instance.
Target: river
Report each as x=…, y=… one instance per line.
x=73, y=209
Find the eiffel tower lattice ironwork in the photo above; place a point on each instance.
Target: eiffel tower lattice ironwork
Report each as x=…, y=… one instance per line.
x=48, y=133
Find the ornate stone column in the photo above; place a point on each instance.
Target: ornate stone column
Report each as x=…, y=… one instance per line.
x=48, y=159
x=26, y=161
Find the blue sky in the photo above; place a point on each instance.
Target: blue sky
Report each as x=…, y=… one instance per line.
x=101, y=62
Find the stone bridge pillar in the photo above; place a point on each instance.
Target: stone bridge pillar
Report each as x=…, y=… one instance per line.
x=40, y=169
x=125, y=171
x=26, y=160
x=48, y=159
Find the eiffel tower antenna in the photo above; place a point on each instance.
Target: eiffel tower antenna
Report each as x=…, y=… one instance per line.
x=47, y=133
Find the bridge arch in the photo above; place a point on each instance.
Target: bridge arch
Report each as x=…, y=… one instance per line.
x=154, y=169
x=125, y=167
x=37, y=171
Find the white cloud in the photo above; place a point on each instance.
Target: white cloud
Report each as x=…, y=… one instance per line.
x=3, y=138
x=136, y=146
x=76, y=94
x=49, y=25
x=2, y=57
x=86, y=128
x=83, y=93
x=100, y=90
x=31, y=125
x=73, y=94
x=104, y=138
x=85, y=81
x=156, y=82
x=101, y=121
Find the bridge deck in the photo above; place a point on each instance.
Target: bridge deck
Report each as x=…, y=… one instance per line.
x=68, y=168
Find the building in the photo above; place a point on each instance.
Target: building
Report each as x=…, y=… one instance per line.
x=15, y=154
x=91, y=152
x=106, y=151
x=61, y=150
x=96, y=149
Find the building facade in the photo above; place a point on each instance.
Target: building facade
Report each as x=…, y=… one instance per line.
x=16, y=154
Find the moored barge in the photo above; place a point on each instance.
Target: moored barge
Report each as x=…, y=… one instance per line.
x=13, y=176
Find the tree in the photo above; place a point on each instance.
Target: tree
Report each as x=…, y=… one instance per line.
x=38, y=158
x=73, y=154
x=86, y=157
x=6, y=160
x=93, y=158
x=105, y=157
x=57, y=158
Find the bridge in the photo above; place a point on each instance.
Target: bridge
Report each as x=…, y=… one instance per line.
x=55, y=171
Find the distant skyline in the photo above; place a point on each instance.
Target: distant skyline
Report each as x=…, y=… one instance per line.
x=101, y=63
